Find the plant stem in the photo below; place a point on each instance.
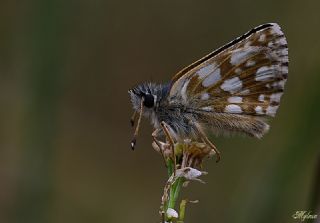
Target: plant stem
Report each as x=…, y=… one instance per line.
x=182, y=211
x=174, y=192
x=170, y=167
x=174, y=188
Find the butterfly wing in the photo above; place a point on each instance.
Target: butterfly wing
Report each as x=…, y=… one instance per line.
x=246, y=77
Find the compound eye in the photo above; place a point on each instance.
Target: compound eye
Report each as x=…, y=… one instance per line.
x=148, y=101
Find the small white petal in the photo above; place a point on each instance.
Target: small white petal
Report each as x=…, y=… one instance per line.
x=189, y=173
x=171, y=213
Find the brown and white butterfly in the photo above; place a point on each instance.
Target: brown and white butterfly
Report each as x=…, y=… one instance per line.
x=233, y=89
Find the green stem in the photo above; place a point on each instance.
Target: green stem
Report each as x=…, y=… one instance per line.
x=174, y=188
x=174, y=192
x=182, y=211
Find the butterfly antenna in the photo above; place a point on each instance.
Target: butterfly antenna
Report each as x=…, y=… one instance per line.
x=133, y=118
x=134, y=140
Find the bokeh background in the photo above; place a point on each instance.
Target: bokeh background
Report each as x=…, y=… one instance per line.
x=65, y=69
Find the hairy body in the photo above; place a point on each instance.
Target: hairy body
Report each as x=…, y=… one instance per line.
x=184, y=118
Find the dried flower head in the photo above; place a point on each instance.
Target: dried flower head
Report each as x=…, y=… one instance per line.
x=188, y=154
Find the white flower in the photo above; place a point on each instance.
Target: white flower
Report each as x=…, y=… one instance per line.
x=190, y=173
x=171, y=213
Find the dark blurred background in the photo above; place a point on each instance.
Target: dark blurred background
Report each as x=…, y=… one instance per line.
x=65, y=69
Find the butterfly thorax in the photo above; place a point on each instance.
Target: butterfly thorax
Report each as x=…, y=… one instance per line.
x=157, y=106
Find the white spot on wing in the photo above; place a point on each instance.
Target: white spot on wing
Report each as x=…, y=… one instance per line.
x=250, y=63
x=213, y=78
x=184, y=90
x=279, y=84
x=271, y=110
x=205, y=96
x=208, y=108
x=232, y=85
x=270, y=44
x=205, y=71
x=240, y=55
x=261, y=97
x=262, y=38
x=265, y=73
x=281, y=41
x=233, y=109
x=258, y=110
x=282, y=54
x=284, y=69
x=276, y=29
x=262, y=69
x=238, y=70
x=276, y=97
x=235, y=99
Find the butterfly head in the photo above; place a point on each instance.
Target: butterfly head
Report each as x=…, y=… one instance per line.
x=145, y=99
x=149, y=95
x=144, y=94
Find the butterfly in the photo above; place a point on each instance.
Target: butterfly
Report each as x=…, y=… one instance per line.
x=233, y=89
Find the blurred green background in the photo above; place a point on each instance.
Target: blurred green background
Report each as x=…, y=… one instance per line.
x=65, y=69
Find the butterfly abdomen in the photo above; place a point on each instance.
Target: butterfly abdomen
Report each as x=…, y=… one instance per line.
x=230, y=124
x=180, y=120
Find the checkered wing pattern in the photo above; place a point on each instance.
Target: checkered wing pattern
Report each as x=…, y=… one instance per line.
x=244, y=77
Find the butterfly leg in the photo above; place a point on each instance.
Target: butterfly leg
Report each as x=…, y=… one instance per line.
x=159, y=143
x=133, y=118
x=208, y=142
x=171, y=141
